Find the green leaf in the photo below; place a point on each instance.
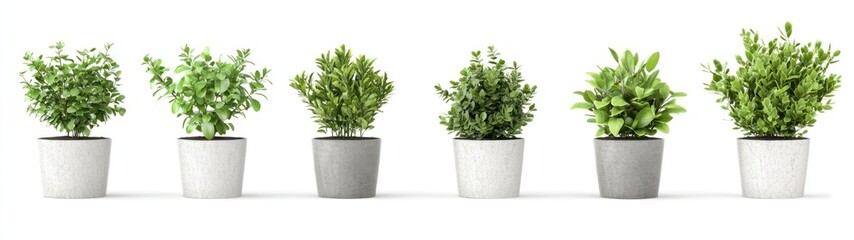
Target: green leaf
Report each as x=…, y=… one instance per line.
x=788, y=29
x=614, y=55
x=601, y=116
x=222, y=114
x=72, y=109
x=652, y=61
x=582, y=105
x=601, y=104
x=662, y=127
x=644, y=117
x=615, y=125
x=256, y=106
x=176, y=106
x=618, y=101
x=208, y=130
x=675, y=109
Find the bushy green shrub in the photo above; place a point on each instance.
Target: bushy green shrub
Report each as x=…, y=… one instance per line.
x=346, y=95
x=489, y=100
x=630, y=101
x=73, y=94
x=209, y=92
x=778, y=87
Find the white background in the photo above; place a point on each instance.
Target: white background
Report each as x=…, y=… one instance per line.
x=420, y=44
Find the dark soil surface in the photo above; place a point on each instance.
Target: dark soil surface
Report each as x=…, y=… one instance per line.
x=205, y=139
x=67, y=138
x=346, y=138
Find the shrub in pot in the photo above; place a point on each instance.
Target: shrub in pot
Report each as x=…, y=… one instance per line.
x=73, y=95
x=774, y=95
x=630, y=104
x=490, y=105
x=208, y=93
x=345, y=96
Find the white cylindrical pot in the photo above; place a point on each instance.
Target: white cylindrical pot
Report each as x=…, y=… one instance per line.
x=629, y=168
x=212, y=168
x=74, y=168
x=775, y=168
x=346, y=167
x=489, y=168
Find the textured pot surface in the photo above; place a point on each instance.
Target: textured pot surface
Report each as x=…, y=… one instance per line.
x=212, y=168
x=773, y=168
x=629, y=169
x=346, y=168
x=74, y=168
x=489, y=168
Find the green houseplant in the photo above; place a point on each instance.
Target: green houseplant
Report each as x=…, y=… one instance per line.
x=490, y=105
x=344, y=97
x=74, y=95
x=775, y=94
x=630, y=104
x=208, y=92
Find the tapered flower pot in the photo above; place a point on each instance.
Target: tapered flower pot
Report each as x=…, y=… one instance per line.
x=346, y=167
x=489, y=168
x=773, y=168
x=212, y=168
x=629, y=168
x=74, y=168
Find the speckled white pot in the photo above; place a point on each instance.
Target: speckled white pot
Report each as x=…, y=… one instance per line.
x=489, y=168
x=773, y=168
x=74, y=168
x=212, y=168
x=629, y=169
x=346, y=168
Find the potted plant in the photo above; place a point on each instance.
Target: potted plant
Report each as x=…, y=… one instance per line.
x=779, y=87
x=208, y=93
x=630, y=104
x=73, y=95
x=344, y=97
x=489, y=108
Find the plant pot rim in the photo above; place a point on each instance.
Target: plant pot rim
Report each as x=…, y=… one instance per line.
x=772, y=139
x=71, y=139
x=487, y=139
x=628, y=139
x=203, y=139
x=346, y=138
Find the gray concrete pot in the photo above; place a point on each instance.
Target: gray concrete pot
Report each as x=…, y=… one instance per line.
x=489, y=168
x=212, y=168
x=773, y=168
x=74, y=168
x=629, y=168
x=346, y=167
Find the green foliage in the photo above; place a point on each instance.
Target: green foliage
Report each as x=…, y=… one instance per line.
x=630, y=101
x=346, y=95
x=489, y=100
x=209, y=92
x=779, y=86
x=73, y=94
